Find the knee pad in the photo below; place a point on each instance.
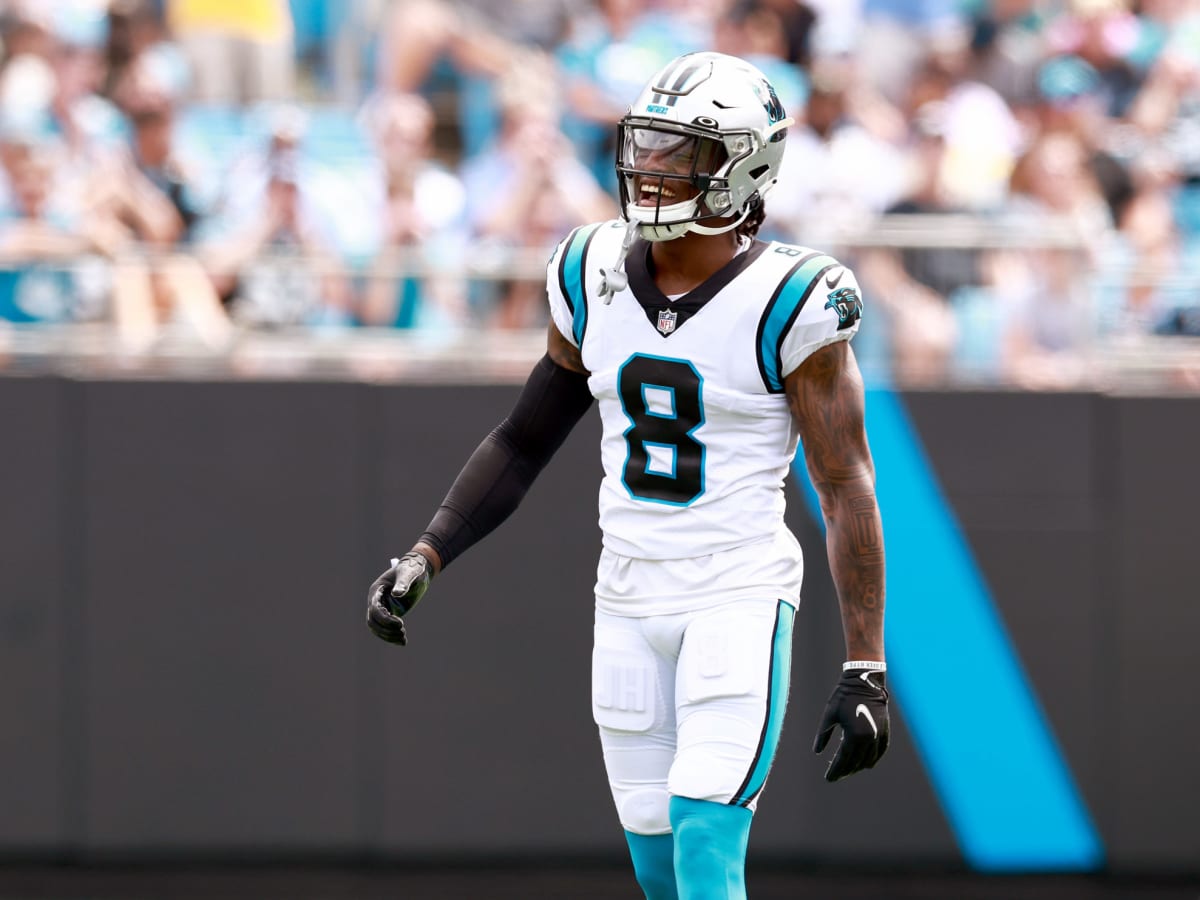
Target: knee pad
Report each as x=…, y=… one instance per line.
x=646, y=811
x=702, y=775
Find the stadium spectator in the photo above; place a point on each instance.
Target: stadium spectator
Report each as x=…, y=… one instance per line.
x=52, y=242
x=773, y=37
x=1150, y=273
x=525, y=190
x=912, y=285
x=88, y=122
x=1054, y=181
x=140, y=191
x=151, y=108
x=1008, y=38
x=892, y=39
x=837, y=174
x=1069, y=99
x=44, y=246
x=981, y=135
x=1166, y=115
x=463, y=48
x=421, y=214
x=420, y=34
x=1045, y=328
x=1104, y=34
x=273, y=264
x=606, y=57
x=136, y=30
x=252, y=160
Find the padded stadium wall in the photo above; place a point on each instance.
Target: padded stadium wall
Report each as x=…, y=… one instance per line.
x=185, y=671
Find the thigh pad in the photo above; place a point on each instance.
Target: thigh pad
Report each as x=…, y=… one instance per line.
x=626, y=694
x=721, y=658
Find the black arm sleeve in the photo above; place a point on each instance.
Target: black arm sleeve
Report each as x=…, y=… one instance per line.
x=500, y=471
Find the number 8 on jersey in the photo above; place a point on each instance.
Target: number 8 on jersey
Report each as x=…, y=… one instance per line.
x=662, y=398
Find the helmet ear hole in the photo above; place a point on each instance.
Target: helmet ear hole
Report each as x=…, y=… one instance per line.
x=759, y=171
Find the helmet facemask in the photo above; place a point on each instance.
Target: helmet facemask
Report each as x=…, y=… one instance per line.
x=671, y=176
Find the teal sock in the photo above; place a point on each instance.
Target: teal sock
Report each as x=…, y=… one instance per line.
x=710, y=849
x=654, y=864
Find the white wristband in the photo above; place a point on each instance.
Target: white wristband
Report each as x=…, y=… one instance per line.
x=869, y=665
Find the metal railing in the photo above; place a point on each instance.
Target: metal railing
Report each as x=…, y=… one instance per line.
x=468, y=351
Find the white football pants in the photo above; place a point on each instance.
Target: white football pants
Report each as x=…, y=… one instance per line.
x=690, y=705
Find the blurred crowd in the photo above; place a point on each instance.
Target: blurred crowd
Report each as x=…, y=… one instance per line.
x=1016, y=182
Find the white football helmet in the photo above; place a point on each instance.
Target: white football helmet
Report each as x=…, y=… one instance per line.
x=703, y=140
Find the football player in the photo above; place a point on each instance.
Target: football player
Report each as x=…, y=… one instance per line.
x=710, y=353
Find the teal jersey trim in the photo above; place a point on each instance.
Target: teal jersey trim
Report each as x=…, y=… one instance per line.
x=777, y=694
x=1010, y=797
x=789, y=298
x=571, y=278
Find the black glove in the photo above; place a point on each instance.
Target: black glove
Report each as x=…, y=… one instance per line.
x=859, y=704
x=394, y=593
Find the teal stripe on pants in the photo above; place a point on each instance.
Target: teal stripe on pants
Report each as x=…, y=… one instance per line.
x=777, y=694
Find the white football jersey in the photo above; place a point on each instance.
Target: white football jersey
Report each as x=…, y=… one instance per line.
x=697, y=435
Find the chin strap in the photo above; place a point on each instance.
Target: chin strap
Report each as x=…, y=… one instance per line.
x=615, y=280
x=708, y=229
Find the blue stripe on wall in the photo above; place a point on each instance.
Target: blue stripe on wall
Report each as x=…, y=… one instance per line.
x=984, y=740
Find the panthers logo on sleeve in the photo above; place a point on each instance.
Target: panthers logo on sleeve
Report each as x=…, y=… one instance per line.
x=848, y=306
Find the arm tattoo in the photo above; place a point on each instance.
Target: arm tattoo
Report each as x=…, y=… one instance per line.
x=563, y=352
x=825, y=396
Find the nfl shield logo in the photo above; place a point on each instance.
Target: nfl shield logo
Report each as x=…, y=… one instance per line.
x=666, y=321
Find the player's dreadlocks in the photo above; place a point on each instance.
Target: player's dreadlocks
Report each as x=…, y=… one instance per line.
x=750, y=225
